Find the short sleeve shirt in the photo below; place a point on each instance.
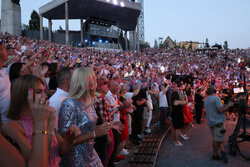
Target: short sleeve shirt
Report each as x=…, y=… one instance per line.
x=214, y=117
x=4, y=93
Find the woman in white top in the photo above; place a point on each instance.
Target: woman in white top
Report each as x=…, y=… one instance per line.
x=150, y=108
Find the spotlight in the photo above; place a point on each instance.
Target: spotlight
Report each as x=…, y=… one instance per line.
x=106, y=41
x=100, y=40
x=86, y=41
x=122, y=4
x=108, y=0
x=115, y=2
x=93, y=43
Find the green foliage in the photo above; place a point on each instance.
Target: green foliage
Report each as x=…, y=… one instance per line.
x=144, y=45
x=225, y=46
x=207, y=44
x=34, y=23
x=190, y=47
x=25, y=27
x=156, y=44
x=183, y=47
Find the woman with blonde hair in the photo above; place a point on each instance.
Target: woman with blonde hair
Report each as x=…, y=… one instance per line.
x=78, y=109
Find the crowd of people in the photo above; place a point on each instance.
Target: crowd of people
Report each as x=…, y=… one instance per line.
x=67, y=106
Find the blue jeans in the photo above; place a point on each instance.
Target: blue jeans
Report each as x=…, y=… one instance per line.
x=164, y=112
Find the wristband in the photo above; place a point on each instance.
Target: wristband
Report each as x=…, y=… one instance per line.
x=94, y=134
x=44, y=132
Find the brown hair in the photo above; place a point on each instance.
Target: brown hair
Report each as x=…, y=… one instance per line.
x=19, y=95
x=174, y=96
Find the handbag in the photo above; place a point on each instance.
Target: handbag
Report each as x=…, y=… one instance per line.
x=188, y=117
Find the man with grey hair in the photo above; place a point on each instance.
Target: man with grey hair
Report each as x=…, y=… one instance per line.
x=63, y=80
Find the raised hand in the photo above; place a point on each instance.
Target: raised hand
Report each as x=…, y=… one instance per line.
x=44, y=70
x=39, y=110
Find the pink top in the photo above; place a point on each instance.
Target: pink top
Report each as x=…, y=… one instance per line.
x=54, y=158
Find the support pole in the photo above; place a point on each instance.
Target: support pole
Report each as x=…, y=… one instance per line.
x=50, y=29
x=137, y=36
x=126, y=40
x=134, y=40
x=81, y=24
x=131, y=40
x=41, y=27
x=66, y=23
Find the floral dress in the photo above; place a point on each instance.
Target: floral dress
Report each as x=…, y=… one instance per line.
x=75, y=112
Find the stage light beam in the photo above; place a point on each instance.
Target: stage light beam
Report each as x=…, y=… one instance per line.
x=122, y=4
x=115, y=2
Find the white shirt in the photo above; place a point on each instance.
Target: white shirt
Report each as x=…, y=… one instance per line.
x=4, y=93
x=163, y=99
x=129, y=96
x=114, y=104
x=149, y=100
x=56, y=101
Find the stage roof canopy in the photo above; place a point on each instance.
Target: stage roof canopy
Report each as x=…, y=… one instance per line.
x=121, y=13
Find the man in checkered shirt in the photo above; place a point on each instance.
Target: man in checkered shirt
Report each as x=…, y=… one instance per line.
x=103, y=110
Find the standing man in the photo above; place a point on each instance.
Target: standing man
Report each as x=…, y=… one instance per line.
x=215, y=113
x=139, y=101
x=104, y=144
x=4, y=84
x=198, y=106
x=63, y=80
x=116, y=107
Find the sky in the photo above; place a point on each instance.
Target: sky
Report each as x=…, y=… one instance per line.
x=182, y=20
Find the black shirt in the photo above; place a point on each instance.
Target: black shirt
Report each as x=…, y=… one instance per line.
x=198, y=100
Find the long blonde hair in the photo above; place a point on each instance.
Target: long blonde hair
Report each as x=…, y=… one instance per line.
x=79, y=85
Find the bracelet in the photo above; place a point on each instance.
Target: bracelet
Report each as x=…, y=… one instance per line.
x=44, y=132
x=94, y=134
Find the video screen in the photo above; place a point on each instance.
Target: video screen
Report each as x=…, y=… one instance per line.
x=238, y=90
